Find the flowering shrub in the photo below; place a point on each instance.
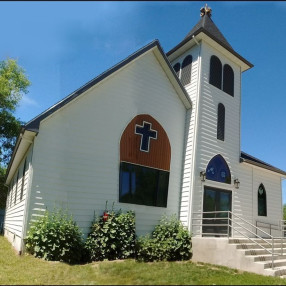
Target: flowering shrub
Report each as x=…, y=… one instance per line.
x=170, y=241
x=112, y=236
x=55, y=237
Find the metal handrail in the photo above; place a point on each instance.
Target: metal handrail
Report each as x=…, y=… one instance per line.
x=269, y=226
x=231, y=221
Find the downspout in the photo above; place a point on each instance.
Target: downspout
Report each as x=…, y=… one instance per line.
x=195, y=137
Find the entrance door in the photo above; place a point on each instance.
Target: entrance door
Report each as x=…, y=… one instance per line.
x=216, y=200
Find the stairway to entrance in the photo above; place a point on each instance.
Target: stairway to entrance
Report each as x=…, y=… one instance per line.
x=239, y=246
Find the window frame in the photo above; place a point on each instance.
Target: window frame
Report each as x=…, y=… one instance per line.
x=228, y=80
x=130, y=199
x=224, y=166
x=215, y=72
x=220, y=122
x=178, y=72
x=186, y=70
x=262, y=198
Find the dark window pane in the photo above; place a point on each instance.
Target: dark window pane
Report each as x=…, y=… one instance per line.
x=177, y=68
x=23, y=179
x=228, y=80
x=216, y=200
x=215, y=72
x=143, y=185
x=218, y=170
x=220, y=121
x=262, y=204
x=186, y=70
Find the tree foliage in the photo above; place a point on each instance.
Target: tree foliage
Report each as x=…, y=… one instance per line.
x=284, y=212
x=13, y=85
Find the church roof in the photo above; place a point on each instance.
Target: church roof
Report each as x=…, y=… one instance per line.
x=32, y=127
x=208, y=27
x=244, y=157
x=34, y=124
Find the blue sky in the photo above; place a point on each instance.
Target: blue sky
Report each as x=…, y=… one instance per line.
x=63, y=45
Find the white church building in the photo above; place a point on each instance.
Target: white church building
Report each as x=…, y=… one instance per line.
x=158, y=133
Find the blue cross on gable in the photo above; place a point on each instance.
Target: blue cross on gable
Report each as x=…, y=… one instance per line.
x=146, y=134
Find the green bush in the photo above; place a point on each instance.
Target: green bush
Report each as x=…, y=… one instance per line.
x=170, y=241
x=55, y=237
x=112, y=236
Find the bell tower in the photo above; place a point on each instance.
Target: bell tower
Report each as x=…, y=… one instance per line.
x=210, y=70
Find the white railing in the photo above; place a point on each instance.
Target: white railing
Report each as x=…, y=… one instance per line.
x=229, y=223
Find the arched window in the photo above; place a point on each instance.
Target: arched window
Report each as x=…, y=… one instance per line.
x=186, y=70
x=177, y=68
x=220, y=121
x=215, y=72
x=145, y=156
x=262, y=203
x=218, y=170
x=228, y=80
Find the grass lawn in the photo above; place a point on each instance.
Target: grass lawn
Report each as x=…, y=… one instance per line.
x=26, y=269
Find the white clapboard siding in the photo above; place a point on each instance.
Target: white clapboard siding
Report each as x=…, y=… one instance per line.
x=192, y=89
x=15, y=210
x=207, y=144
x=76, y=153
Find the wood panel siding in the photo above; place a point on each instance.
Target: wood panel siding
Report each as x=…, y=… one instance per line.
x=159, y=155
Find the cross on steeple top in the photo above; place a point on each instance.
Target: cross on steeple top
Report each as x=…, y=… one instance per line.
x=206, y=11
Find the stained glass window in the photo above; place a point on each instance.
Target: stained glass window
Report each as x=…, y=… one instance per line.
x=218, y=170
x=262, y=205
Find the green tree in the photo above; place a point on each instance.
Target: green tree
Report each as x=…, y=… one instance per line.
x=284, y=212
x=13, y=85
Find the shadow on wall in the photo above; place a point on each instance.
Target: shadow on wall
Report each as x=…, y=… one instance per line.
x=2, y=215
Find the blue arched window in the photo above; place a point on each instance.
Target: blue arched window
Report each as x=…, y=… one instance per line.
x=186, y=70
x=218, y=170
x=262, y=203
x=215, y=72
x=177, y=68
x=228, y=80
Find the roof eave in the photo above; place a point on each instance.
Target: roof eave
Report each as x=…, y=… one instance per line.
x=247, y=65
x=270, y=168
x=34, y=124
x=24, y=140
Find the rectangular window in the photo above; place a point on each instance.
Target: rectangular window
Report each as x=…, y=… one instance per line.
x=142, y=185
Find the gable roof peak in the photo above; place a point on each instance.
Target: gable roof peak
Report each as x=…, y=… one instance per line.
x=206, y=25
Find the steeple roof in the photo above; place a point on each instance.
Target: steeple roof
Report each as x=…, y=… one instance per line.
x=208, y=27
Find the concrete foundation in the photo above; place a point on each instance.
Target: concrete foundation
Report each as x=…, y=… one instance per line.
x=219, y=251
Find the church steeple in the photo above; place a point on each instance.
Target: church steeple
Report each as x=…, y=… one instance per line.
x=206, y=27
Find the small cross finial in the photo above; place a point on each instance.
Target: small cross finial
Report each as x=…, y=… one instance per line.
x=206, y=11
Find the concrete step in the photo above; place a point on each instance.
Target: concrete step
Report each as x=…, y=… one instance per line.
x=260, y=251
x=247, y=241
x=265, y=245
x=280, y=271
x=267, y=257
x=276, y=264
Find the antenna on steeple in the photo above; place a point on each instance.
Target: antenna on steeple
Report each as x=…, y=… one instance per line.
x=206, y=11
